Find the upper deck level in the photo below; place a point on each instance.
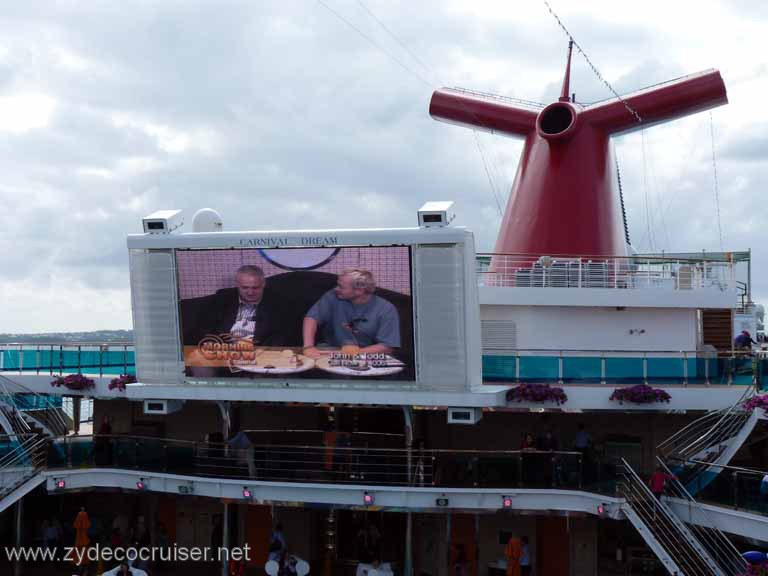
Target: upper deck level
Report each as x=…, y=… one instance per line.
x=665, y=281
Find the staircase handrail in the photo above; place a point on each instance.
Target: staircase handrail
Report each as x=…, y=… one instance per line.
x=703, y=423
x=28, y=449
x=677, y=539
x=718, y=544
x=58, y=425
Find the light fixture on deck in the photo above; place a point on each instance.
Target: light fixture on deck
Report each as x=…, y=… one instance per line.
x=61, y=484
x=602, y=508
x=140, y=484
x=368, y=499
x=506, y=502
x=247, y=494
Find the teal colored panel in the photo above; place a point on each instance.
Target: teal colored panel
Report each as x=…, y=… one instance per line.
x=743, y=371
x=499, y=367
x=624, y=368
x=695, y=370
x=10, y=359
x=665, y=368
x=539, y=368
x=580, y=368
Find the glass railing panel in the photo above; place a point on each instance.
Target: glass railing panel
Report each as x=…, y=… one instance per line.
x=80, y=452
x=665, y=369
x=582, y=369
x=10, y=359
x=500, y=368
x=150, y=454
x=539, y=368
x=37, y=402
x=624, y=369
x=743, y=369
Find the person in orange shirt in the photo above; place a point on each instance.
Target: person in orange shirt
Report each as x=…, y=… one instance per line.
x=513, y=552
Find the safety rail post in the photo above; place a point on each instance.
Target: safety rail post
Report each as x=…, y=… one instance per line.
x=37, y=359
x=706, y=370
x=685, y=368
x=602, y=368
x=125, y=359
x=648, y=271
x=645, y=368
x=581, y=470
x=580, y=266
x=79, y=359
x=21, y=359
x=735, y=490
x=560, y=368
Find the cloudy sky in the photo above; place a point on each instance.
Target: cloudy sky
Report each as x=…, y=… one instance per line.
x=314, y=113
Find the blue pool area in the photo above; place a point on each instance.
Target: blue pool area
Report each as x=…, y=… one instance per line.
x=622, y=369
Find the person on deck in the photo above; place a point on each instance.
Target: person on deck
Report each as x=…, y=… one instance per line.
x=658, y=482
x=744, y=341
x=514, y=553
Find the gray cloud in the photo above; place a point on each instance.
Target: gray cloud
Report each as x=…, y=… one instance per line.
x=281, y=116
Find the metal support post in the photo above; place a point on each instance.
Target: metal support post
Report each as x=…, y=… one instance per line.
x=408, y=562
x=76, y=400
x=408, y=418
x=223, y=556
x=19, y=526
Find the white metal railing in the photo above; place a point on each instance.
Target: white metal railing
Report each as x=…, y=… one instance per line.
x=539, y=271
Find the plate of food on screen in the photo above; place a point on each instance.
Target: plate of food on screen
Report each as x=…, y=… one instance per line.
x=349, y=362
x=273, y=361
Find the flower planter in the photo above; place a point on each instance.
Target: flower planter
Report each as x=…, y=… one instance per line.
x=757, y=402
x=120, y=382
x=538, y=393
x=640, y=394
x=74, y=382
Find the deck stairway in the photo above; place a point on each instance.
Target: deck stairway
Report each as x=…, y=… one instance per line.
x=718, y=545
x=26, y=411
x=676, y=545
x=20, y=466
x=697, y=453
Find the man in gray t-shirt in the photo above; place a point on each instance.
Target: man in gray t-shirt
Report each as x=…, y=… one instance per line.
x=351, y=314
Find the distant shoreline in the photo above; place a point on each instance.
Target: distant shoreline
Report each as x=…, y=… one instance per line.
x=69, y=337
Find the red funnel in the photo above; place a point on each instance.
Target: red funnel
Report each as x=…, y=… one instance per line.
x=564, y=199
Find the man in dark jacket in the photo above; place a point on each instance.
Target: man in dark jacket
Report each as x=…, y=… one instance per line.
x=248, y=311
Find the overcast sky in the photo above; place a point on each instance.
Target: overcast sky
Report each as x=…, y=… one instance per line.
x=308, y=113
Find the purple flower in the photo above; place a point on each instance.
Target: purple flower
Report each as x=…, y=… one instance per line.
x=640, y=394
x=121, y=381
x=74, y=382
x=537, y=393
x=757, y=402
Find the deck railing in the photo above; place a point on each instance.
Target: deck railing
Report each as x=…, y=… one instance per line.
x=621, y=366
x=97, y=358
x=733, y=486
x=337, y=464
x=615, y=272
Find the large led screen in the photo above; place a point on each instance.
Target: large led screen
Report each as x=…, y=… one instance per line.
x=322, y=313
